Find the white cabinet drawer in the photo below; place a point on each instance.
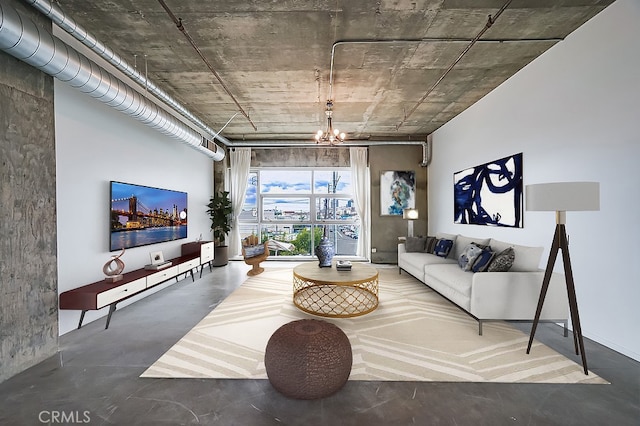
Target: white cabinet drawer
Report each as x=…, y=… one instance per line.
x=162, y=275
x=188, y=266
x=118, y=293
x=206, y=252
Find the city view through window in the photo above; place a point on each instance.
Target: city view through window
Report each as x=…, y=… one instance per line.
x=298, y=207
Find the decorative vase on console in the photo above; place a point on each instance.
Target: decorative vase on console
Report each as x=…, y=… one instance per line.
x=325, y=251
x=113, y=268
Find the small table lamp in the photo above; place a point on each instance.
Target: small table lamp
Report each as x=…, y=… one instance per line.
x=562, y=197
x=411, y=215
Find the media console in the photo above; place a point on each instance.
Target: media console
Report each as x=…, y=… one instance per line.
x=99, y=294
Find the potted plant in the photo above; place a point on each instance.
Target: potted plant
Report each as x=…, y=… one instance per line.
x=220, y=211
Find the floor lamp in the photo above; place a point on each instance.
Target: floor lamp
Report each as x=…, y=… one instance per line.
x=562, y=197
x=410, y=215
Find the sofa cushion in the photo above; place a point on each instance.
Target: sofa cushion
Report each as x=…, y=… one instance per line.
x=502, y=261
x=452, y=275
x=444, y=235
x=415, y=244
x=527, y=258
x=443, y=247
x=469, y=256
x=462, y=242
x=417, y=263
x=483, y=260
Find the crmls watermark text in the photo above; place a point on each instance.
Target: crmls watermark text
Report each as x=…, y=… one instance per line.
x=66, y=417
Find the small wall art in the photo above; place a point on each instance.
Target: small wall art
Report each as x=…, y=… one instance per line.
x=490, y=194
x=397, y=192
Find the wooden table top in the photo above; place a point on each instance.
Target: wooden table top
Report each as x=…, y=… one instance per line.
x=360, y=272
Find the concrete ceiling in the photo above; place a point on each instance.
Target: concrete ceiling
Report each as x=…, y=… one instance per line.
x=390, y=58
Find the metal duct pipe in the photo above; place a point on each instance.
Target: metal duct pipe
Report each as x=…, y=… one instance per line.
x=68, y=24
x=21, y=38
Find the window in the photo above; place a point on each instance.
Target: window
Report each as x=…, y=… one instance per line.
x=299, y=206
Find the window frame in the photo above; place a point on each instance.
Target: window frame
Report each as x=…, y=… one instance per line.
x=258, y=222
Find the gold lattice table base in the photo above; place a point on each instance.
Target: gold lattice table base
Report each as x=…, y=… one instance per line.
x=331, y=293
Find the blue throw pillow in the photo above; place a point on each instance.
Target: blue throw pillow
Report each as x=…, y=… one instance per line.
x=483, y=260
x=443, y=247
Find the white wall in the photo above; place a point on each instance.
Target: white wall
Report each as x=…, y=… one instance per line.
x=94, y=145
x=574, y=114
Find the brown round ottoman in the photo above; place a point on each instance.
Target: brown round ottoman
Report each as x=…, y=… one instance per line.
x=308, y=359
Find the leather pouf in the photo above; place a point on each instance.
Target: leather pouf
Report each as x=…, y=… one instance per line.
x=308, y=359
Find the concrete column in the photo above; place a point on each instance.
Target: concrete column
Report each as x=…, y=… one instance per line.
x=28, y=263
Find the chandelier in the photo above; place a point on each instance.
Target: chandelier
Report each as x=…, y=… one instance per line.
x=330, y=136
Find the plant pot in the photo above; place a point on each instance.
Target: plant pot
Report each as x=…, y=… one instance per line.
x=220, y=256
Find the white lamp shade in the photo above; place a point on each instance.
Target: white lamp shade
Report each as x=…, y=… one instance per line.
x=410, y=214
x=563, y=196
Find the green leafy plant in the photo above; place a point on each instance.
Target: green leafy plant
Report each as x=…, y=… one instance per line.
x=220, y=211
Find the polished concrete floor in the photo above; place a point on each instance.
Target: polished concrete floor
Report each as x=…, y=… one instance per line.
x=95, y=380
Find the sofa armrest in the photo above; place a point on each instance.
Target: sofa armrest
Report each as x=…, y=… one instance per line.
x=514, y=295
x=401, y=248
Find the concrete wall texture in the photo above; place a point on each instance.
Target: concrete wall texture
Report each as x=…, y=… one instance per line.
x=385, y=230
x=28, y=268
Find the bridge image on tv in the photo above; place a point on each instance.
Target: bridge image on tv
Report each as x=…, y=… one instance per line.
x=143, y=215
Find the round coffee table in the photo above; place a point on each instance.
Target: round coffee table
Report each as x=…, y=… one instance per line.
x=331, y=293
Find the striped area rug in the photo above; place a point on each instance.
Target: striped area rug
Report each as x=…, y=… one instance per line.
x=413, y=335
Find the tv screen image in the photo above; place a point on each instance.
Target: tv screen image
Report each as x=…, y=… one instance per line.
x=142, y=215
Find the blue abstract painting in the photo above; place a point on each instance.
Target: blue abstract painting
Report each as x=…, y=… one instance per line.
x=490, y=194
x=397, y=192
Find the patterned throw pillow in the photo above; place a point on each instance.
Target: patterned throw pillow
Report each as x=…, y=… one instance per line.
x=443, y=247
x=430, y=245
x=469, y=256
x=503, y=261
x=415, y=244
x=482, y=262
x=253, y=251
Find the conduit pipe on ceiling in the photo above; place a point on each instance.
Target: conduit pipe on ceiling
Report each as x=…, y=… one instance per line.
x=183, y=30
x=69, y=25
x=490, y=21
x=426, y=40
x=21, y=38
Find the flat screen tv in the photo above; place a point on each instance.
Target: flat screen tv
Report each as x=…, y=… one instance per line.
x=142, y=215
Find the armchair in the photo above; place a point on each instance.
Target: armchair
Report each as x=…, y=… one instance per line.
x=253, y=253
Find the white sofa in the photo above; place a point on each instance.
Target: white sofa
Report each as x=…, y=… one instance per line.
x=490, y=296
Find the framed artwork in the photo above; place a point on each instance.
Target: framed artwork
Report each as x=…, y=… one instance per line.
x=397, y=192
x=490, y=194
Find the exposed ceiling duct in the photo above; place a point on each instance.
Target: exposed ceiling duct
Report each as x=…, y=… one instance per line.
x=21, y=38
x=69, y=25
